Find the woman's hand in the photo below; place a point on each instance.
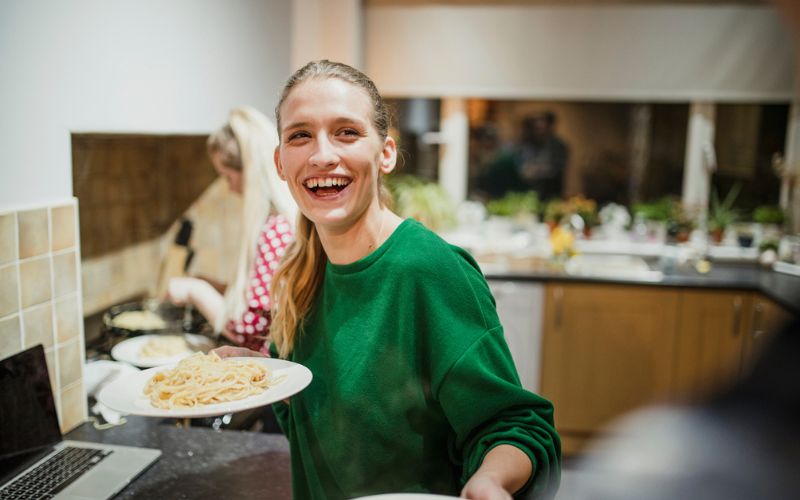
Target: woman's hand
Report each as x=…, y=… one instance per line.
x=484, y=487
x=505, y=469
x=180, y=291
x=199, y=293
x=229, y=351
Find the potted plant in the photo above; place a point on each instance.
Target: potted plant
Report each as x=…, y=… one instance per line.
x=721, y=214
x=653, y=220
x=768, y=221
x=679, y=222
x=586, y=209
x=522, y=206
x=768, y=214
x=658, y=211
x=422, y=200
x=554, y=211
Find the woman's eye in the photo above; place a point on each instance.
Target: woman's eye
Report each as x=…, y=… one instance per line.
x=299, y=135
x=350, y=132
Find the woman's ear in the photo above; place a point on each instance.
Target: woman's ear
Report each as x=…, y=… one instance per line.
x=277, y=157
x=388, y=155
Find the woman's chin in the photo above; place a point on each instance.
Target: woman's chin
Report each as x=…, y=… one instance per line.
x=335, y=218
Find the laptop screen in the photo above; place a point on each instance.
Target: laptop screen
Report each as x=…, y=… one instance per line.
x=27, y=410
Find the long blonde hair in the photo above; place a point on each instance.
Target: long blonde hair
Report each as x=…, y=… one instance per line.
x=247, y=143
x=300, y=275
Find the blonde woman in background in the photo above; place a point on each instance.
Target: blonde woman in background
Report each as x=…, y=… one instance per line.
x=242, y=152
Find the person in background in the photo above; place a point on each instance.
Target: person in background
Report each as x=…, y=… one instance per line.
x=543, y=156
x=242, y=153
x=536, y=162
x=414, y=387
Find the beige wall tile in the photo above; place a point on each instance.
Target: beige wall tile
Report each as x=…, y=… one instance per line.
x=8, y=238
x=9, y=290
x=70, y=361
x=37, y=323
x=35, y=281
x=10, y=341
x=72, y=406
x=63, y=222
x=50, y=357
x=34, y=236
x=65, y=274
x=68, y=319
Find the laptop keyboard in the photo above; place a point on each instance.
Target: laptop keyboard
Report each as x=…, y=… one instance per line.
x=54, y=474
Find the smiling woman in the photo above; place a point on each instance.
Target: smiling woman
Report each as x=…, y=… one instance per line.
x=398, y=327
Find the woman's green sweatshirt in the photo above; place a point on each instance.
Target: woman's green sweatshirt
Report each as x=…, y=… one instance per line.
x=413, y=381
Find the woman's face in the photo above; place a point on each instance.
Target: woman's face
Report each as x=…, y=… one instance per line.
x=234, y=177
x=330, y=153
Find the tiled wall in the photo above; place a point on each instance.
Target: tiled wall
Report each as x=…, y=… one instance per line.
x=40, y=292
x=133, y=187
x=132, y=272
x=216, y=238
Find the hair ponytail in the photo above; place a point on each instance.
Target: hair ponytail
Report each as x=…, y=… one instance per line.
x=295, y=285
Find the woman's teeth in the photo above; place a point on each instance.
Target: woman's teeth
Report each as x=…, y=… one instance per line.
x=337, y=183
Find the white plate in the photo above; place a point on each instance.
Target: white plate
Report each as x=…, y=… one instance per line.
x=129, y=351
x=98, y=373
x=125, y=393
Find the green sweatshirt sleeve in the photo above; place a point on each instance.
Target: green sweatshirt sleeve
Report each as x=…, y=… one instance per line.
x=280, y=408
x=486, y=405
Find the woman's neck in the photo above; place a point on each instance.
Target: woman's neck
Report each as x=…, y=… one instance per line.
x=361, y=239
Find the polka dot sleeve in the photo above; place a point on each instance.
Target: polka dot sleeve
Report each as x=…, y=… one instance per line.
x=251, y=329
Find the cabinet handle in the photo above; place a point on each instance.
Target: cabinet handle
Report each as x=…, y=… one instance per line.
x=737, y=314
x=558, y=295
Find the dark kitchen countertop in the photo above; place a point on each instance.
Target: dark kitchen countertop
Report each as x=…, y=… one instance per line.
x=201, y=463
x=780, y=287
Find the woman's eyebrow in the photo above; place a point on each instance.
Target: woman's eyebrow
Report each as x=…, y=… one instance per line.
x=295, y=125
x=336, y=121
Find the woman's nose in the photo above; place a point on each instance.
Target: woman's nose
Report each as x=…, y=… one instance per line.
x=324, y=154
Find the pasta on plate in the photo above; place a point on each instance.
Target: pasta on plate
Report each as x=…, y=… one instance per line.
x=205, y=379
x=165, y=346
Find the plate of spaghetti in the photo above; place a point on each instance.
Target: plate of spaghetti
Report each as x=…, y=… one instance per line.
x=148, y=351
x=205, y=385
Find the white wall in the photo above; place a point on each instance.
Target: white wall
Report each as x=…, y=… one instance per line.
x=580, y=52
x=327, y=29
x=150, y=66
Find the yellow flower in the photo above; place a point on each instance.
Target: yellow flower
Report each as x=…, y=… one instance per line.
x=562, y=241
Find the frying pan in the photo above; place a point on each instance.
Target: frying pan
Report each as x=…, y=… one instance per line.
x=177, y=319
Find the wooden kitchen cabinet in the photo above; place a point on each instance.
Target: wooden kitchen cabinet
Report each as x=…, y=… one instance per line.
x=712, y=328
x=767, y=318
x=606, y=350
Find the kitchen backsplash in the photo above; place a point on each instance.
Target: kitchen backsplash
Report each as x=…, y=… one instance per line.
x=132, y=272
x=40, y=292
x=133, y=187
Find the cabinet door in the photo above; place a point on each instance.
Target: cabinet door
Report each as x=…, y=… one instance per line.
x=607, y=349
x=768, y=318
x=711, y=340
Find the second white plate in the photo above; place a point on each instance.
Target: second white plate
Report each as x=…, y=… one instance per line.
x=129, y=350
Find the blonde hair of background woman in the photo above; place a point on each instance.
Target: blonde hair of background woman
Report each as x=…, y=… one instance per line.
x=297, y=280
x=263, y=190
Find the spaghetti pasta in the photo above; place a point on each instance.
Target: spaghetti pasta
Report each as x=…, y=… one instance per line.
x=165, y=346
x=138, y=320
x=204, y=379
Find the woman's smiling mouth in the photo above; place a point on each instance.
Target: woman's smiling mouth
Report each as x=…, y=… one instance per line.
x=326, y=186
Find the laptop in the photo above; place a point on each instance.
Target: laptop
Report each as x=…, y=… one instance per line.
x=35, y=461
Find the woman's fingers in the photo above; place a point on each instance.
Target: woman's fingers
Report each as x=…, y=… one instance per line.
x=228, y=351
